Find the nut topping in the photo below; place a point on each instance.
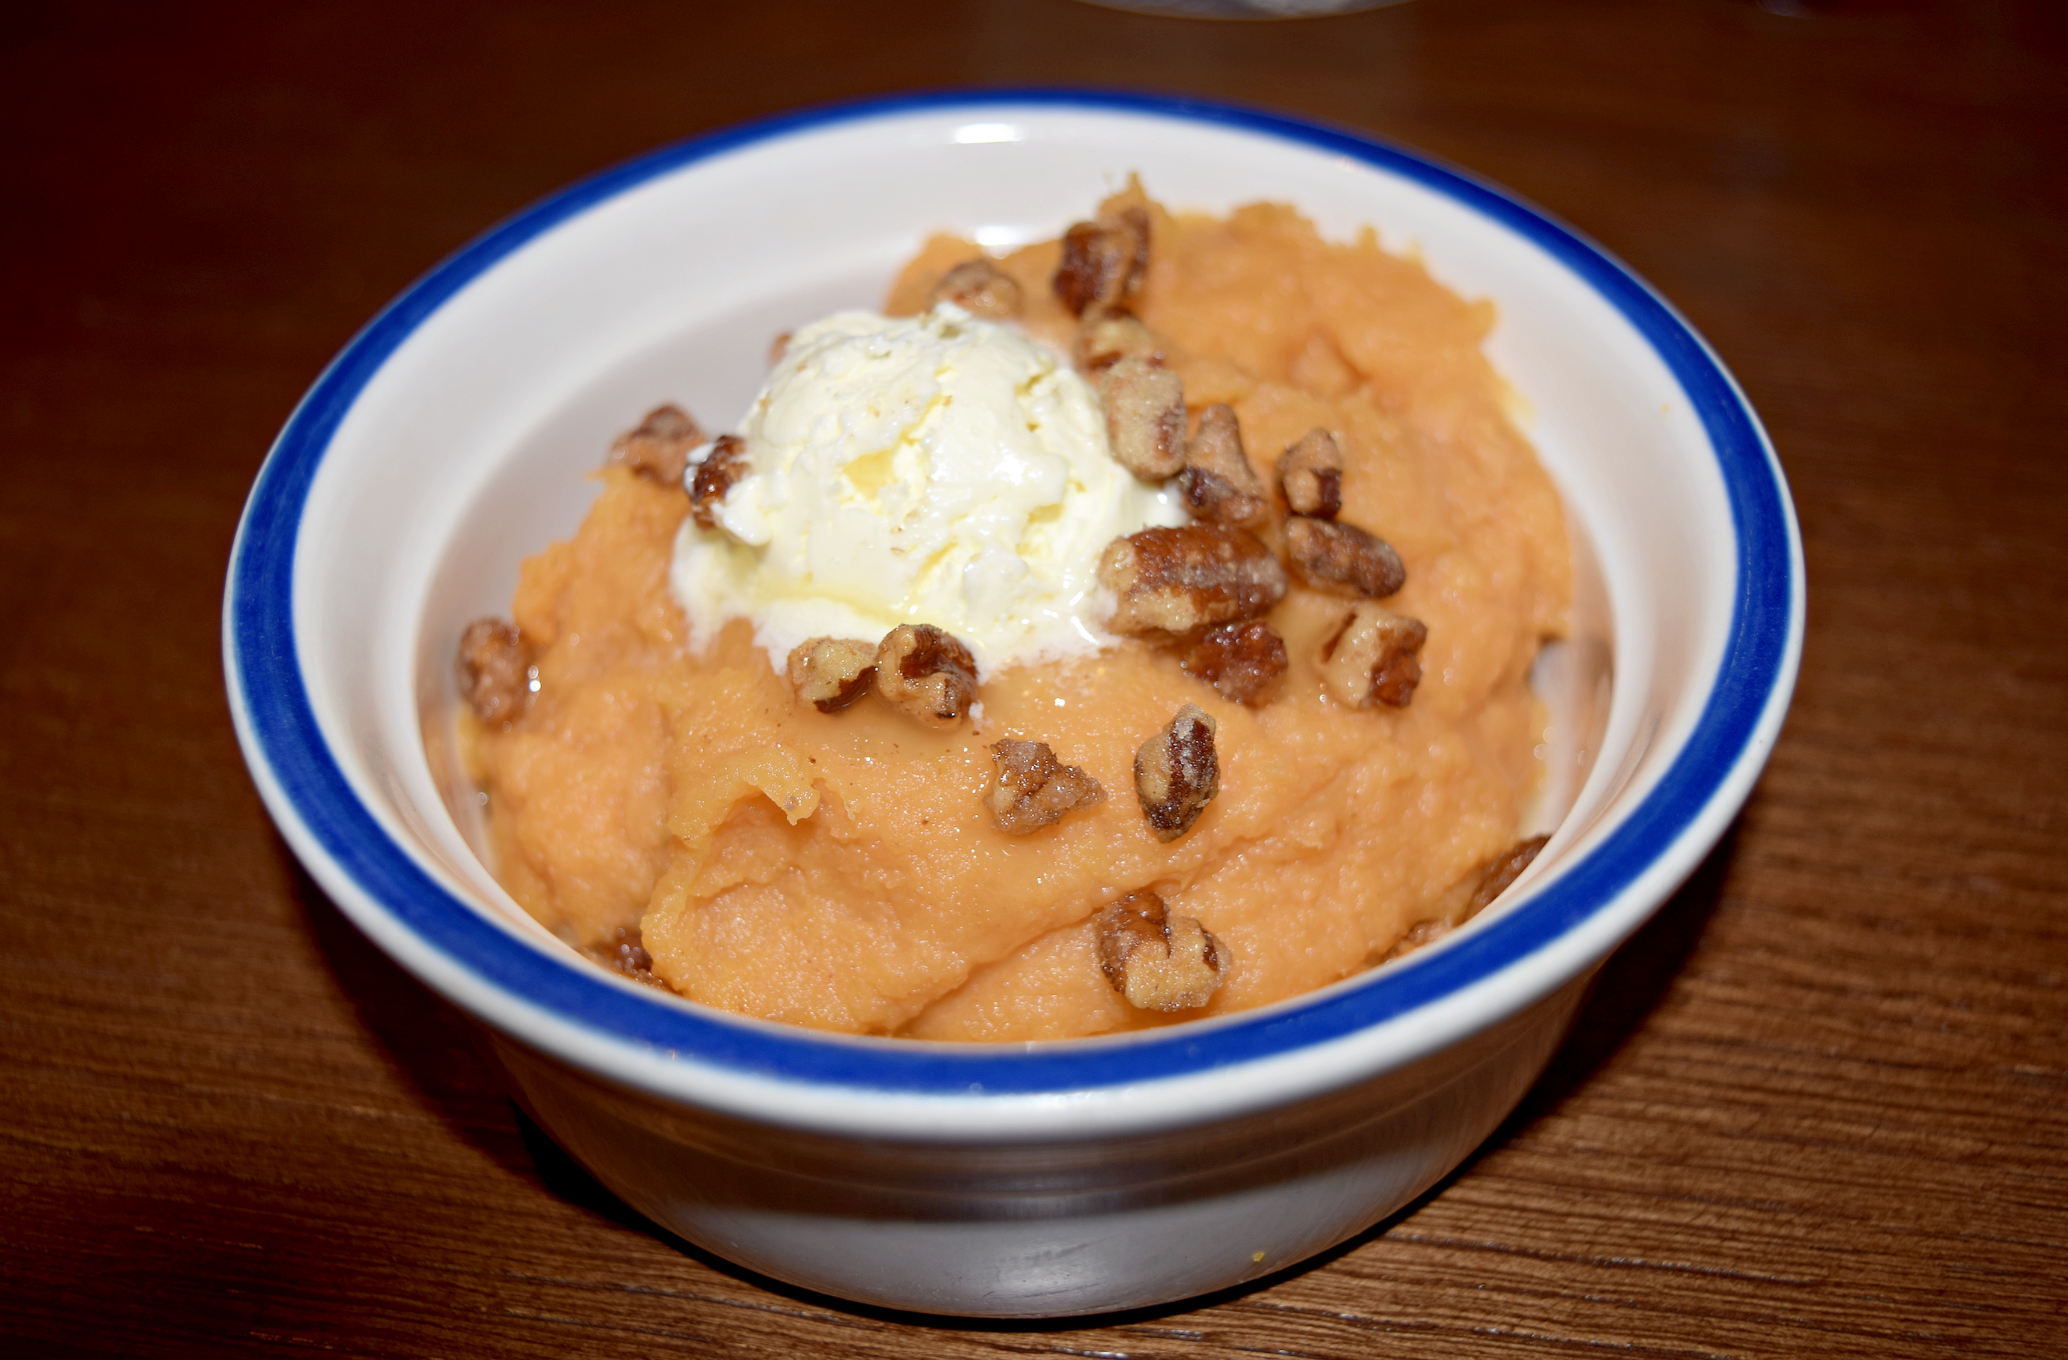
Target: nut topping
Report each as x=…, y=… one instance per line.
x=980, y=288
x=1159, y=962
x=926, y=674
x=1310, y=473
x=1371, y=657
x=1341, y=559
x=496, y=674
x=1145, y=416
x=1242, y=661
x=1173, y=581
x=725, y=464
x=1034, y=789
x=1495, y=877
x=659, y=448
x=1107, y=337
x=831, y=673
x=1500, y=873
x=1218, y=483
x=623, y=953
x=1177, y=773
x=1104, y=261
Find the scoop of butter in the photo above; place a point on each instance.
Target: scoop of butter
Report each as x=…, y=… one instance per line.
x=931, y=469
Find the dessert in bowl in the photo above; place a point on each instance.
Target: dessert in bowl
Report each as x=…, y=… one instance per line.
x=449, y=442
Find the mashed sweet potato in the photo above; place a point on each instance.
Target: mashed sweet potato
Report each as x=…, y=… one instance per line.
x=840, y=870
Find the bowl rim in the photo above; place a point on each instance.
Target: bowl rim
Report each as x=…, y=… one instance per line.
x=571, y=1008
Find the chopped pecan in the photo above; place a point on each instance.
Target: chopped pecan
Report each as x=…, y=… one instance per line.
x=496, y=671
x=1310, y=473
x=624, y=953
x=1104, y=261
x=1145, y=416
x=1493, y=878
x=725, y=464
x=1159, y=962
x=660, y=447
x=1243, y=661
x=1342, y=559
x=926, y=674
x=1218, y=483
x=831, y=673
x=1105, y=338
x=1371, y=657
x=779, y=347
x=1419, y=934
x=980, y=288
x=1174, y=581
x=1034, y=789
x=1500, y=873
x=1177, y=773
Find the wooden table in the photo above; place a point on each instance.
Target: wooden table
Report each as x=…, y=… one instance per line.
x=1819, y=1105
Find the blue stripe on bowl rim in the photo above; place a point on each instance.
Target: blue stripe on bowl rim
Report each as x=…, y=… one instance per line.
x=281, y=725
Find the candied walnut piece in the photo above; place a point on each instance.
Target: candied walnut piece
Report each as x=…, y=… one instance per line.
x=926, y=674
x=1242, y=661
x=1157, y=961
x=1177, y=773
x=1371, y=657
x=1341, y=559
x=1034, y=789
x=1310, y=474
x=1218, y=483
x=1104, y=261
x=831, y=673
x=659, y=448
x=725, y=464
x=497, y=677
x=980, y=288
x=1174, y=581
x=1145, y=416
x=1106, y=338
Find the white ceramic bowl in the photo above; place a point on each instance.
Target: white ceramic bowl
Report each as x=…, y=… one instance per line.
x=450, y=439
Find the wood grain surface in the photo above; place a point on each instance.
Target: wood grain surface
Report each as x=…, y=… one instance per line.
x=1819, y=1106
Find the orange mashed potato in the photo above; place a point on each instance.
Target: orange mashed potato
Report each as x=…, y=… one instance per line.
x=840, y=870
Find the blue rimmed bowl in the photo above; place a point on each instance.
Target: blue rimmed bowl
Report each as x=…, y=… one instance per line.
x=450, y=439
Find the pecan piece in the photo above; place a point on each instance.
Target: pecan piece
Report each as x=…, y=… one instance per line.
x=926, y=674
x=1493, y=878
x=1310, y=473
x=1159, y=962
x=1218, y=483
x=1105, y=338
x=624, y=953
x=1034, y=789
x=659, y=448
x=1342, y=559
x=723, y=465
x=1500, y=873
x=1145, y=416
x=1242, y=661
x=1104, y=261
x=1177, y=773
x=1173, y=581
x=496, y=671
x=831, y=673
x=1371, y=657
x=980, y=288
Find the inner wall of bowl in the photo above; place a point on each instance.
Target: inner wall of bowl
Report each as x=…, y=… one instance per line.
x=466, y=452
